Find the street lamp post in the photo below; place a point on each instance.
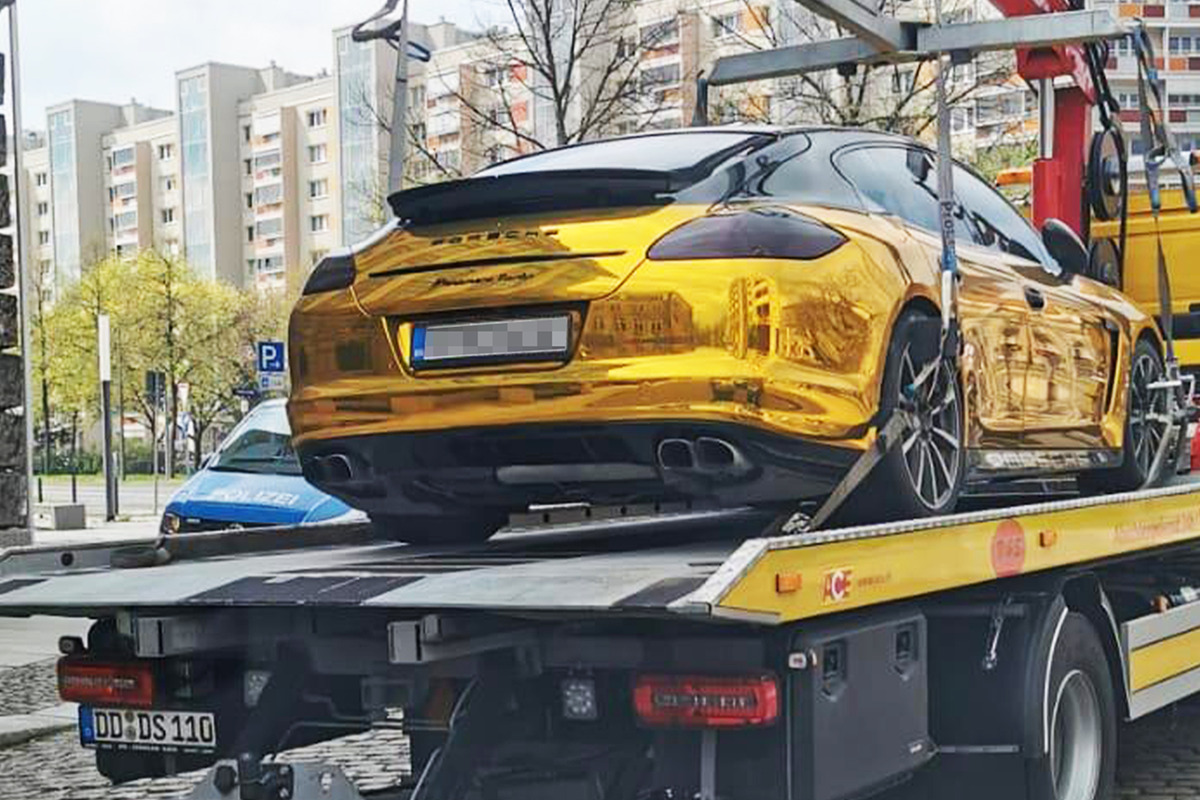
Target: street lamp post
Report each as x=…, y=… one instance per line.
x=110, y=477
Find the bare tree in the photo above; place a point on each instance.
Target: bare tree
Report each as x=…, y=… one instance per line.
x=892, y=97
x=575, y=57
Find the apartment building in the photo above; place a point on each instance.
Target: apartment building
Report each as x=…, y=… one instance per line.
x=36, y=218
x=141, y=180
x=1174, y=28
x=244, y=178
x=76, y=174
x=290, y=215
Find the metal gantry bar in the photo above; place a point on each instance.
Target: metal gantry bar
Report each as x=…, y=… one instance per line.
x=919, y=43
x=882, y=32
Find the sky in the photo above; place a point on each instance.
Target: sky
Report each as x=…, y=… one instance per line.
x=114, y=50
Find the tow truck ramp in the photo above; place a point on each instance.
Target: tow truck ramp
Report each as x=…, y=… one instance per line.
x=703, y=564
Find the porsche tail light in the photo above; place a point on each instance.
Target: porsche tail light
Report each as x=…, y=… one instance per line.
x=106, y=683
x=757, y=233
x=706, y=701
x=334, y=271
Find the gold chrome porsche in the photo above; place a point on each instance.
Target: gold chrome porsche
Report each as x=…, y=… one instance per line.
x=719, y=315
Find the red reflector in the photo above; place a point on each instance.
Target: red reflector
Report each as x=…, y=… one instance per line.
x=700, y=701
x=103, y=683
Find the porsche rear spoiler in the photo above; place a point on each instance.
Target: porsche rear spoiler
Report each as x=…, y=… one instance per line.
x=532, y=192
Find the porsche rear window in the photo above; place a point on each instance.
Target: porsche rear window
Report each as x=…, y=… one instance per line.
x=674, y=152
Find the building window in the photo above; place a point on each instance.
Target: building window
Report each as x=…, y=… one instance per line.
x=249, y=200
x=168, y=215
x=245, y=133
x=172, y=247
x=318, y=188
x=271, y=160
x=727, y=24
x=317, y=118
x=249, y=233
x=123, y=157
x=166, y=152
x=903, y=81
x=43, y=237
x=124, y=190
x=316, y=255
x=318, y=223
x=316, y=154
x=43, y=208
x=271, y=194
x=41, y=179
x=270, y=264
x=168, y=183
x=269, y=228
x=249, y=165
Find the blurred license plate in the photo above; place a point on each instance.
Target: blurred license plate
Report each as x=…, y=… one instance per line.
x=465, y=343
x=136, y=729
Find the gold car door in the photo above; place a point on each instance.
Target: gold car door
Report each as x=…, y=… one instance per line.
x=993, y=315
x=1070, y=364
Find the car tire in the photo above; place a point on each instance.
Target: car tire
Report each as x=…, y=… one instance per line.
x=923, y=474
x=1141, y=438
x=1082, y=714
x=451, y=528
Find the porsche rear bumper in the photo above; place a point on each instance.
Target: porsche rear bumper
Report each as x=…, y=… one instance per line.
x=513, y=467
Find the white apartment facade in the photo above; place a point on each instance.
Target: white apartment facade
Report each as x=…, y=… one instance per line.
x=289, y=183
x=245, y=179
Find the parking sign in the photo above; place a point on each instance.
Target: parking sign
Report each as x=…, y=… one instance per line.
x=270, y=356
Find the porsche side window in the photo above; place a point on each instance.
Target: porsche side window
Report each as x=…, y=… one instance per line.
x=995, y=223
x=896, y=180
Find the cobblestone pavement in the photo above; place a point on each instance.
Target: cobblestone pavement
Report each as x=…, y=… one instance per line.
x=57, y=768
x=28, y=688
x=1159, y=756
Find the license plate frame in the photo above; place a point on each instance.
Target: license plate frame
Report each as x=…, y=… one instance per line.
x=148, y=730
x=479, y=342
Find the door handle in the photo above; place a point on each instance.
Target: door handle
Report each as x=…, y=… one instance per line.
x=1035, y=299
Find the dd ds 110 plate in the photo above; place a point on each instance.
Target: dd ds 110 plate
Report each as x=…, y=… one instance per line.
x=146, y=729
x=461, y=344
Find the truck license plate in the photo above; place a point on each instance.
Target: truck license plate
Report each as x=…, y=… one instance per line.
x=137, y=729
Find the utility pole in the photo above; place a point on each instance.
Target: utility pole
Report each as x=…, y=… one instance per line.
x=104, y=334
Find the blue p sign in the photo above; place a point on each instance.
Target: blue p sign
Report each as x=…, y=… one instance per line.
x=270, y=356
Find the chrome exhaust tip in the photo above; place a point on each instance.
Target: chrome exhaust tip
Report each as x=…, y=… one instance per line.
x=719, y=456
x=676, y=454
x=338, y=468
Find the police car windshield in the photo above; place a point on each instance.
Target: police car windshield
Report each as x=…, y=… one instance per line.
x=262, y=443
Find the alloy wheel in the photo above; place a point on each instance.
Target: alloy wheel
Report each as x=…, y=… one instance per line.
x=932, y=447
x=1147, y=411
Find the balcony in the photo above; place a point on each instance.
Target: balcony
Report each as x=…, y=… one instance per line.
x=124, y=161
x=269, y=161
x=268, y=194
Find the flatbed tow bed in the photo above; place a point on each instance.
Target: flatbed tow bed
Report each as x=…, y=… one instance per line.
x=838, y=663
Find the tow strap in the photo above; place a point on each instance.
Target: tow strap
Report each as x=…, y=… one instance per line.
x=1160, y=146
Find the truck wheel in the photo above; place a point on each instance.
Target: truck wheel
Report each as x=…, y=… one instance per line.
x=1082, y=717
x=438, y=529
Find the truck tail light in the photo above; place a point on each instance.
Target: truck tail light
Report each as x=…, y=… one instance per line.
x=760, y=233
x=705, y=701
x=106, y=683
